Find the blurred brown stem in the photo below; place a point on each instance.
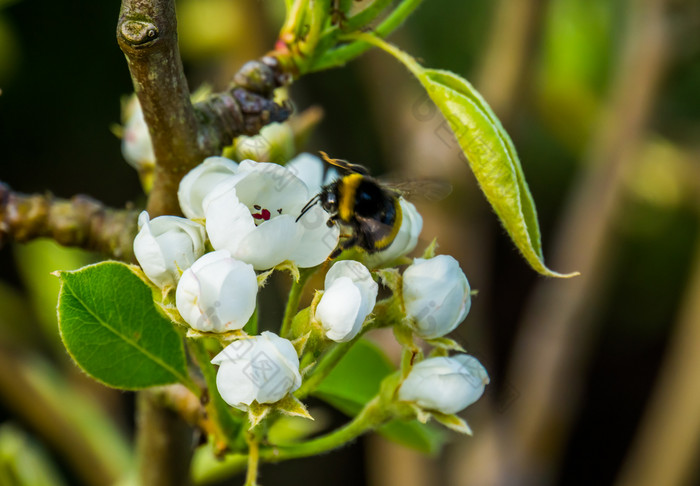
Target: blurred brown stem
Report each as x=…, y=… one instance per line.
x=164, y=441
x=48, y=405
x=80, y=221
x=550, y=352
x=512, y=42
x=666, y=448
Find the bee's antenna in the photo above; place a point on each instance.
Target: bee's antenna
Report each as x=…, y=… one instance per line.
x=312, y=202
x=325, y=157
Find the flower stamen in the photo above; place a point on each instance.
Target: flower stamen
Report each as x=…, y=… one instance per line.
x=263, y=213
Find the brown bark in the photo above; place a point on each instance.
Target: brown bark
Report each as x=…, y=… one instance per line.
x=79, y=221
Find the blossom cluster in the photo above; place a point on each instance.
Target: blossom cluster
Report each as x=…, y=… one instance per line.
x=242, y=219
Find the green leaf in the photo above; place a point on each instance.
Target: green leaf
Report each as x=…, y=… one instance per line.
x=488, y=149
x=112, y=330
x=356, y=380
x=345, y=52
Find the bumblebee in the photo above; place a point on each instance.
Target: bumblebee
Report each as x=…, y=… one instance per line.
x=360, y=202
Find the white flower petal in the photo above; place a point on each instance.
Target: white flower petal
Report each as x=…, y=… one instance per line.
x=317, y=241
x=234, y=385
x=271, y=186
x=360, y=276
x=200, y=181
x=309, y=169
x=332, y=175
x=270, y=243
x=228, y=221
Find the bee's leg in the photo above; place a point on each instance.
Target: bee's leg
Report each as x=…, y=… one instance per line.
x=344, y=245
x=332, y=220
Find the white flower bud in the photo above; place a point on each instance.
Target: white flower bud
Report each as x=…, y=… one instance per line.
x=217, y=293
x=436, y=295
x=200, y=181
x=137, y=147
x=349, y=297
x=446, y=385
x=406, y=239
x=274, y=143
x=263, y=369
x=166, y=246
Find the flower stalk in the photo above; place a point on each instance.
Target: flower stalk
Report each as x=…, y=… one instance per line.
x=295, y=293
x=253, y=459
x=372, y=416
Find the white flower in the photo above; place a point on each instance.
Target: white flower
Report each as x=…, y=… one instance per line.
x=263, y=369
x=406, y=239
x=137, y=148
x=200, y=181
x=446, y=385
x=253, y=215
x=166, y=246
x=436, y=295
x=217, y=293
x=349, y=297
x=310, y=169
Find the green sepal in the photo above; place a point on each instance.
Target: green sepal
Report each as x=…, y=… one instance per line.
x=300, y=343
x=291, y=267
x=390, y=278
x=404, y=335
x=291, y=405
x=429, y=251
x=452, y=422
x=446, y=343
x=257, y=412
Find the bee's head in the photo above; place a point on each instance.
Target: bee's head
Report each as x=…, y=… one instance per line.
x=329, y=199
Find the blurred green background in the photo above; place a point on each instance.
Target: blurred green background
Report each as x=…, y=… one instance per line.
x=594, y=380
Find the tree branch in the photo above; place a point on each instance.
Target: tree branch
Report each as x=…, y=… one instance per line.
x=164, y=442
x=80, y=221
x=147, y=34
x=183, y=134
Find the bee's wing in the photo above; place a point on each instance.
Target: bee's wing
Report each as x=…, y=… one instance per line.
x=430, y=189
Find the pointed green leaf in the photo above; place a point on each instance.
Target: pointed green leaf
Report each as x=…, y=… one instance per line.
x=489, y=151
x=112, y=330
